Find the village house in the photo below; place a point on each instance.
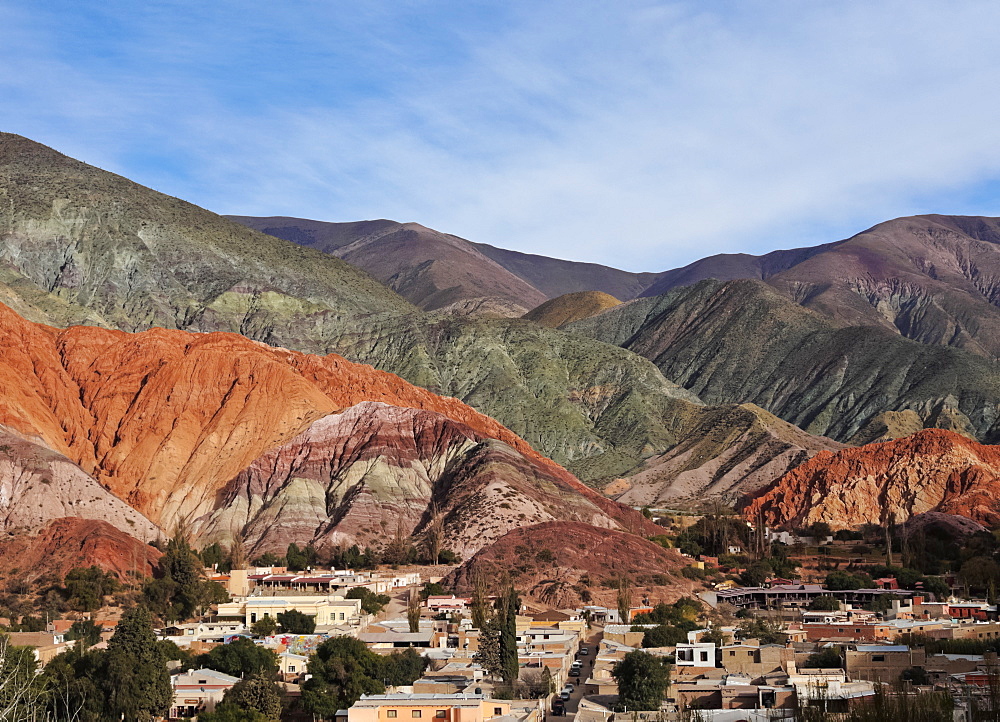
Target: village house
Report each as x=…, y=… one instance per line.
x=46, y=646
x=437, y=707
x=198, y=690
x=329, y=611
x=756, y=660
x=882, y=662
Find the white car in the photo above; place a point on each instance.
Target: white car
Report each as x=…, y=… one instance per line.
x=568, y=688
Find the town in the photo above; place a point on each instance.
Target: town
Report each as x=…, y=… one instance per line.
x=393, y=641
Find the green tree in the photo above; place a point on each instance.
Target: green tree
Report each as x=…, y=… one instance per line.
x=264, y=627
x=642, y=681
x=480, y=600
x=508, y=606
x=839, y=579
x=86, y=631
x=228, y=712
x=979, y=573
x=431, y=589
x=240, y=658
x=258, y=694
x=20, y=691
x=756, y=574
x=663, y=636
x=371, y=603
x=137, y=682
x=402, y=668
x=820, y=529
x=295, y=622
x=86, y=587
x=824, y=603
x=623, y=599
x=343, y=668
x=212, y=556
x=766, y=631
x=488, y=654
x=828, y=658
x=182, y=588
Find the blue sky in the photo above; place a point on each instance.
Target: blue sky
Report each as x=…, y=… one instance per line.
x=638, y=134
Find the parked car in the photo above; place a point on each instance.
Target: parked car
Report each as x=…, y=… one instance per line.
x=564, y=696
x=558, y=708
x=584, y=650
x=568, y=688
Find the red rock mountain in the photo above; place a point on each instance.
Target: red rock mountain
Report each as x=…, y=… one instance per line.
x=237, y=437
x=931, y=471
x=73, y=542
x=565, y=564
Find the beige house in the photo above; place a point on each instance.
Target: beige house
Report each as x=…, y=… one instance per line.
x=427, y=707
x=328, y=611
x=45, y=645
x=756, y=660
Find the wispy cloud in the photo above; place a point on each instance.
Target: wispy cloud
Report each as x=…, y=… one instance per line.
x=639, y=134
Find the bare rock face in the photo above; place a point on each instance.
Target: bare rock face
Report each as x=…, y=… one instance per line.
x=38, y=485
x=931, y=471
x=373, y=471
x=555, y=562
x=73, y=542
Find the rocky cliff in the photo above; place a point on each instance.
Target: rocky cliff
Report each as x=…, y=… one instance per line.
x=892, y=481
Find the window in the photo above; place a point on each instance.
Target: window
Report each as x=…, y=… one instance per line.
x=878, y=657
x=291, y=669
x=732, y=653
x=415, y=714
x=498, y=710
x=390, y=713
x=441, y=714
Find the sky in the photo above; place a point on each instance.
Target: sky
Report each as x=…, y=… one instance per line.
x=638, y=134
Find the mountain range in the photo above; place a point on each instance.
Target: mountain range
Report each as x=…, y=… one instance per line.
x=340, y=383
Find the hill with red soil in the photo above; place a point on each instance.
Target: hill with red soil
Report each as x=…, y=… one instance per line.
x=72, y=542
x=564, y=564
x=234, y=437
x=892, y=481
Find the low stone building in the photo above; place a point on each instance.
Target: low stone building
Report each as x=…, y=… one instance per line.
x=882, y=662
